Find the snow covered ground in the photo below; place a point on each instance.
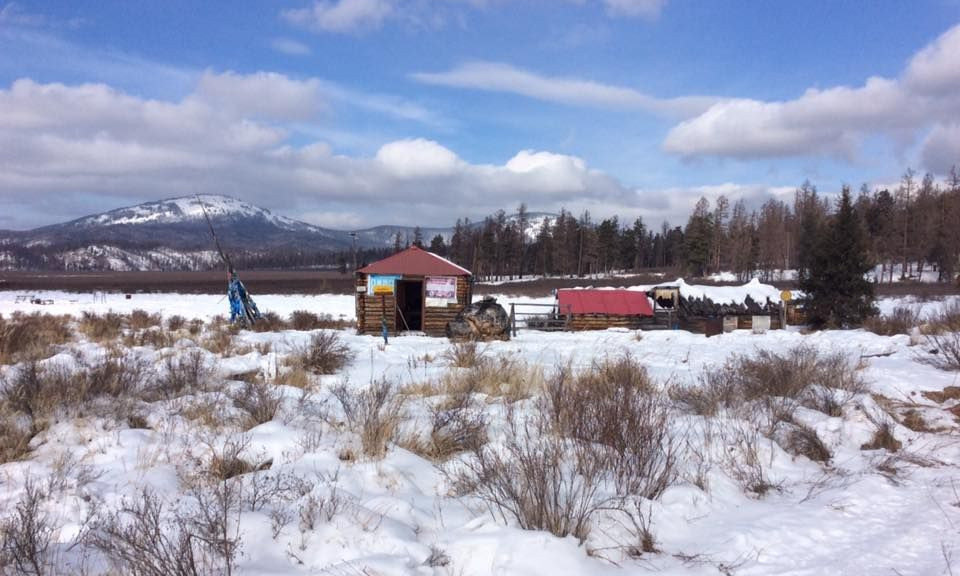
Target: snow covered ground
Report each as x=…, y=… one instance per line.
x=866, y=511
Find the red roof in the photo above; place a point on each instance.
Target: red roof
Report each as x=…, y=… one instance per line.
x=610, y=302
x=415, y=262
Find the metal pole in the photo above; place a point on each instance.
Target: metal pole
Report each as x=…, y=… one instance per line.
x=354, y=236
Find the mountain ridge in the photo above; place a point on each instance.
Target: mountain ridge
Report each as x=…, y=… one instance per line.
x=173, y=234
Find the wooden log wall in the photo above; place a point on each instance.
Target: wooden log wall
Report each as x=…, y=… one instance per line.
x=369, y=309
x=604, y=321
x=435, y=318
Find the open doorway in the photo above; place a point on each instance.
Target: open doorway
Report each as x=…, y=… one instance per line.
x=409, y=305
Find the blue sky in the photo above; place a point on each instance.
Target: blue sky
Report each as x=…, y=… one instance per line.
x=349, y=113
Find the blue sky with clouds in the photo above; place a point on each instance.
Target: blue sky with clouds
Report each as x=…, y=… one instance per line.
x=348, y=113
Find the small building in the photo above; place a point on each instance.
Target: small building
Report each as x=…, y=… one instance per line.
x=712, y=310
x=413, y=290
x=601, y=309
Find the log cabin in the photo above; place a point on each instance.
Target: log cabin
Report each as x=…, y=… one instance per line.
x=412, y=291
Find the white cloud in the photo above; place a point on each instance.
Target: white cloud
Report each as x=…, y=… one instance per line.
x=87, y=141
x=261, y=95
x=499, y=77
x=832, y=121
x=649, y=9
x=353, y=16
x=941, y=148
x=341, y=15
x=290, y=47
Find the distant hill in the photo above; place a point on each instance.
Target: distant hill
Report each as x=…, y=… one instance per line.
x=173, y=235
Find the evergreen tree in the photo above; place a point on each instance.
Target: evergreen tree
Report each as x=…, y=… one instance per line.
x=697, y=238
x=836, y=292
x=437, y=246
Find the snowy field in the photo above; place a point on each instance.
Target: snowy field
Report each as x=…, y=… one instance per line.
x=862, y=511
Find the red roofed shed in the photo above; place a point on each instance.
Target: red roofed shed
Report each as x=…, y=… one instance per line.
x=601, y=309
x=412, y=290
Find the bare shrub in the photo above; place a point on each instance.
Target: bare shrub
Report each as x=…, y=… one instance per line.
x=539, y=479
x=154, y=337
x=743, y=456
x=141, y=320
x=258, y=401
x=614, y=408
x=943, y=351
x=227, y=462
x=304, y=320
x=101, y=328
x=464, y=355
x=947, y=320
x=30, y=336
x=326, y=353
x=184, y=373
x=219, y=338
x=375, y=413
x=779, y=382
x=112, y=375
x=195, y=326
x=26, y=535
x=902, y=320
x=144, y=539
x=269, y=322
x=176, y=322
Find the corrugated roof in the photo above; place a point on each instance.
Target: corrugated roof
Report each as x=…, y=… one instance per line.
x=610, y=302
x=415, y=262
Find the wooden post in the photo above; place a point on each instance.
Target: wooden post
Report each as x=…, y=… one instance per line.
x=513, y=320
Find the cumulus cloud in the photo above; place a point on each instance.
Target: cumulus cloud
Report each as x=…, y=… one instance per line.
x=836, y=120
x=341, y=15
x=500, y=77
x=93, y=147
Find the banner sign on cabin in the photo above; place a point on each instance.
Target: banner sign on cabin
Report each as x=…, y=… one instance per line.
x=441, y=290
x=381, y=284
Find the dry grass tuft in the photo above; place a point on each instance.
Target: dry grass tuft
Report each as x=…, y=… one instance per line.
x=142, y=320
x=101, y=328
x=375, y=414
x=31, y=336
x=176, y=322
x=914, y=420
x=802, y=440
x=883, y=438
x=464, y=355
x=15, y=436
x=497, y=376
x=295, y=376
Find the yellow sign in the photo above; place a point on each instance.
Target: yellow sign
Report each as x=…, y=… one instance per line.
x=786, y=296
x=383, y=289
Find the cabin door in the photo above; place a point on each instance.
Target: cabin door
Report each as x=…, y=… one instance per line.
x=409, y=305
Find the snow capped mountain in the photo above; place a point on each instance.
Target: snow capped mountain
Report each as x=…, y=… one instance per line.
x=173, y=234
x=191, y=209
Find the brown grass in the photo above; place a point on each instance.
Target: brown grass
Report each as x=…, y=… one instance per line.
x=101, y=327
x=883, y=438
x=375, y=414
x=15, y=437
x=31, y=336
x=901, y=321
x=496, y=376
x=141, y=320
x=258, y=401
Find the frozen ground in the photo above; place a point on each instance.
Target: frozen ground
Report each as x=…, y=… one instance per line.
x=864, y=512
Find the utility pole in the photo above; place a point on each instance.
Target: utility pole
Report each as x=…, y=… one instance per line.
x=354, y=236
